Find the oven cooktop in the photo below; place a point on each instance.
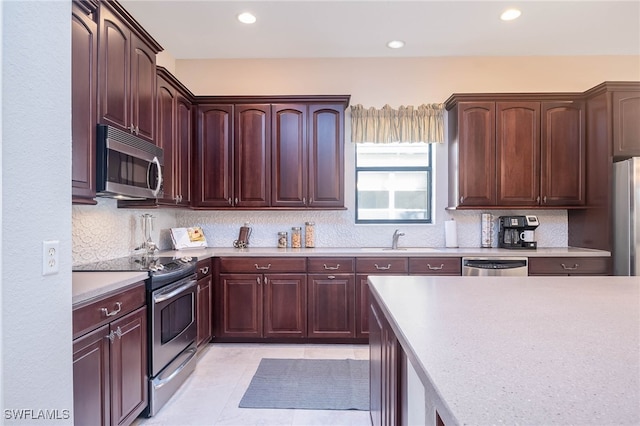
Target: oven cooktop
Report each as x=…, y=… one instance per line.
x=162, y=269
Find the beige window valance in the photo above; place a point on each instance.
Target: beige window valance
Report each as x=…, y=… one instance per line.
x=405, y=124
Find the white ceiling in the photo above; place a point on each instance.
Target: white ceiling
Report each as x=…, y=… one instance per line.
x=341, y=29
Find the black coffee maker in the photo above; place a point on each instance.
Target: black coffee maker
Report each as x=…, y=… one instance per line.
x=517, y=232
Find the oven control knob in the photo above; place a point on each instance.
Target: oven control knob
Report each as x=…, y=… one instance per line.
x=160, y=267
x=186, y=259
x=153, y=268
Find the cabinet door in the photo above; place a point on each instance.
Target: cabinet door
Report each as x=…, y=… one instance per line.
x=183, y=150
x=252, y=155
x=326, y=156
x=114, y=71
x=84, y=103
x=518, y=153
x=285, y=305
x=477, y=153
x=562, y=171
x=214, y=156
x=241, y=298
x=362, y=306
x=143, y=89
x=626, y=126
x=166, y=100
x=204, y=311
x=91, y=385
x=129, y=385
x=331, y=305
x=289, y=155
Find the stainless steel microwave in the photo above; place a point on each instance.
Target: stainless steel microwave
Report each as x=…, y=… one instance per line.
x=127, y=167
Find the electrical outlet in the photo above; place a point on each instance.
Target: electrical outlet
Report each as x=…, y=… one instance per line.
x=50, y=258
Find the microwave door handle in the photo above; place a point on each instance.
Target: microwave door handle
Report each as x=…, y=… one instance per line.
x=159, y=185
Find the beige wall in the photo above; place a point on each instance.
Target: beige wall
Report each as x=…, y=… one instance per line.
x=396, y=81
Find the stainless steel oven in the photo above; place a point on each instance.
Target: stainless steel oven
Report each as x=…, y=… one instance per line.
x=172, y=339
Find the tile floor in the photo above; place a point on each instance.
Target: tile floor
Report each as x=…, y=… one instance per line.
x=212, y=394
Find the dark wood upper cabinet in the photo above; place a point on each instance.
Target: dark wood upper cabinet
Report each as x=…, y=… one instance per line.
x=165, y=135
x=252, y=155
x=626, y=125
x=516, y=150
x=84, y=102
x=473, y=154
x=127, y=74
x=562, y=171
x=289, y=158
x=326, y=155
x=269, y=152
x=213, y=159
x=518, y=153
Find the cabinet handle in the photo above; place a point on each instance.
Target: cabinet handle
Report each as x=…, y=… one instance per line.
x=304, y=200
x=137, y=130
x=229, y=200
x=544, y=200
x=132, y=129
x=119, y=332
x=435, y=268
x=204, y=270
x=262, y=267
x=258, y=280
x=538, y=200
x=461, y=199
x=332, y=268
x=236, y=200
x=569, y=268
x=111, y=336
x=112, y=313
x=331, y=277
x=382, y=268
x=265, y=280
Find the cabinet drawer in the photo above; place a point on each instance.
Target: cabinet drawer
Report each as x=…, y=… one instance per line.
x=203, y=268
x=569, y=265
x=265, y=265
x=435, y=265
x=102, y=311
x=330, y=265
x=382, y=265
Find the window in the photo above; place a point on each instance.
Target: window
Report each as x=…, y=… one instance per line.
x=393, y=183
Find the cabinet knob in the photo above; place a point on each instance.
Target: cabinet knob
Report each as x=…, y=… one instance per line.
x=236, y=201
x=119, y=332
x=111, y=336
x=258, y=280
x=132, y=129
x=461, y=199
x=544, y=199
x=229, y=201
x=538, y=200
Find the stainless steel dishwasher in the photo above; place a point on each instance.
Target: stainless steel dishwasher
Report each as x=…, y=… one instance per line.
x=495, y=266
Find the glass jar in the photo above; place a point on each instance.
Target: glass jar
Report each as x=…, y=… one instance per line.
x=282, y=240
x=309, y=234
x=296, y=237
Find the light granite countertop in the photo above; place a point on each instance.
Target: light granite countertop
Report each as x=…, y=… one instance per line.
x=88, y=285
x=526, y=350
x=203, y=253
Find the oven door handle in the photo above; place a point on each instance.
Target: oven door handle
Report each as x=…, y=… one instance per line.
x=169, y=294
x=192, y=353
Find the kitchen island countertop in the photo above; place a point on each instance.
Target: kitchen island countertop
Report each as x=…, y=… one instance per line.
x=525, y=350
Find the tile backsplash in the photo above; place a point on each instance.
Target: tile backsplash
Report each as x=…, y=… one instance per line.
x=104, y=231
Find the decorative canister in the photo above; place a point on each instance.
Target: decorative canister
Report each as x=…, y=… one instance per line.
x=296, y=237
x=309, y=234
x=282, y=240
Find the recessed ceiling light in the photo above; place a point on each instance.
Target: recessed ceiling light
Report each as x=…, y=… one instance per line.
x=246, y=18
x=510, y=14
x=395, y=44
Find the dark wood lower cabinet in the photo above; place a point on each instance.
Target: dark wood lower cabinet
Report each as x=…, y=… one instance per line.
x=203, y=311
x=384, y=365
x=110, y=382
x=332, y=305
x=570, y=266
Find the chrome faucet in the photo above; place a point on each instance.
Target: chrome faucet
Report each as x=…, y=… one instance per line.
x=396, y=235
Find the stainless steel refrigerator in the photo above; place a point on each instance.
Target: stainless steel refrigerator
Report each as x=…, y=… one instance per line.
x=626, y=217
